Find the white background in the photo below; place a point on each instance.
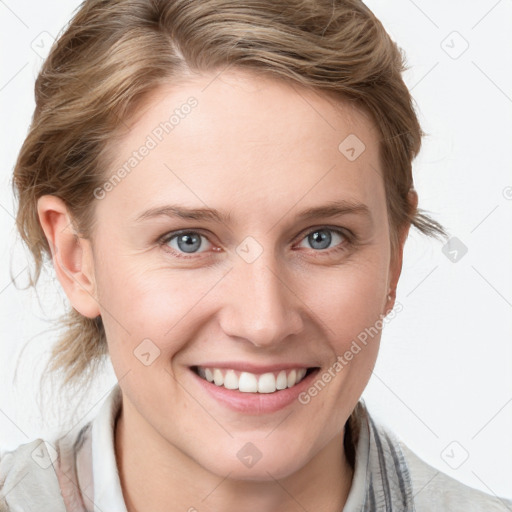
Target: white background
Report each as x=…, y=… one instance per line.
x=443, y=382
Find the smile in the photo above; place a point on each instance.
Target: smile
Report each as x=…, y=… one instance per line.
x=247, y=382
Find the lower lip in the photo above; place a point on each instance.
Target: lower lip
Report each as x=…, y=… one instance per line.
x=255, y=403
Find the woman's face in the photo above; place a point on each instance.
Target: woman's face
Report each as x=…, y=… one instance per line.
x=210, y=261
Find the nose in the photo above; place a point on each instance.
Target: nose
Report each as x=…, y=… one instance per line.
x=260, y=304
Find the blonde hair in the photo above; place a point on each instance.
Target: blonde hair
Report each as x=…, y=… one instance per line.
x=115, y=52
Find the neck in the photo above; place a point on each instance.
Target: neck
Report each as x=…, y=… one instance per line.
x=157, y=479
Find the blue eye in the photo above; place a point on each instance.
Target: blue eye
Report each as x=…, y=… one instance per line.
x=187, y=242
x=322, y=238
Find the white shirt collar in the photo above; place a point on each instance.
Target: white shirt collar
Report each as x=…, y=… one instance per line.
x=108, y=495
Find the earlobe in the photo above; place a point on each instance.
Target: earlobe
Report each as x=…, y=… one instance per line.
x=396, y=268
x=396, y=264
x=72, y=256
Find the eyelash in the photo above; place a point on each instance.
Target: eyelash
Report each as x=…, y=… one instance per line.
x=350, y=241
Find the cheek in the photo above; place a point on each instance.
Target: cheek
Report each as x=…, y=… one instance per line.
x=349, y=300
x=139, y=303
x=350, y=308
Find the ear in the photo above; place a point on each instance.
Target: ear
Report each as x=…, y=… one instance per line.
x=396, y=262
x=71, y=255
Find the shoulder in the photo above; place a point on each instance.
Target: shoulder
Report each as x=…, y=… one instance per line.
x=395, y=477
x=57, y=475
x=435, y=490
x=28, y=480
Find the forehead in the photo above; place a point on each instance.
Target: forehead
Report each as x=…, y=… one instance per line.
x=247, y=138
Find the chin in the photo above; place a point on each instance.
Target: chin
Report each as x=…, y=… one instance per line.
x=268, y=471
x=259, y=461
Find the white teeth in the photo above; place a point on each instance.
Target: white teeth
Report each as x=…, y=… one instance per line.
x=266, y=383
x=231, y=380
x=292, y=378
x=218, y=378
x=282, y=380
x=247, y=382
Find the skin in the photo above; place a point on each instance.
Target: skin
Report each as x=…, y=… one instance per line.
x=262, y=151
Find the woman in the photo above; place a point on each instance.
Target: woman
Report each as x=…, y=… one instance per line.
x=225, y=190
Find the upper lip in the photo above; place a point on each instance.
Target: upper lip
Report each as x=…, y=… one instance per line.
x=254, y=368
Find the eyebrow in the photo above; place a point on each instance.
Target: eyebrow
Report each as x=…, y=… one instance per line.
x=330, y=209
